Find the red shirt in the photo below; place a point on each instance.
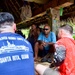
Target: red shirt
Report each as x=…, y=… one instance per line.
x=68, y=66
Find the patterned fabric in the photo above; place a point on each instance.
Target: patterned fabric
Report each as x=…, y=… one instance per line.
x=59, y=54
x=68, y=66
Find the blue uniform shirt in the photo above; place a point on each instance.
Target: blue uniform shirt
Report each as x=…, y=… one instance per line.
x=16, y=55
x=51, y=38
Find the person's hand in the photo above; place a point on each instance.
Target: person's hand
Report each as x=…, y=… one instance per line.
x=44, y=43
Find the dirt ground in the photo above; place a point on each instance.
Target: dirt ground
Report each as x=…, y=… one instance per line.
x=43, y=63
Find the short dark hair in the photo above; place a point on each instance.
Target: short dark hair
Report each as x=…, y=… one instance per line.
x=67, y=27
x=6, y=17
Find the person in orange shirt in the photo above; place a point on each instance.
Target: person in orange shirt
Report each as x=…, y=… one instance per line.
x=64, y=55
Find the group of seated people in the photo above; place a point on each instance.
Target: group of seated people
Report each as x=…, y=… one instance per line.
x=46, y=42
x=41, y=40
x=16, y=55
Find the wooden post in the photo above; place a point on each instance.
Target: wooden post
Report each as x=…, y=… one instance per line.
x=53, y=19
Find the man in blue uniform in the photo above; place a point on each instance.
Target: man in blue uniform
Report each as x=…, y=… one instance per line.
x=16, y=55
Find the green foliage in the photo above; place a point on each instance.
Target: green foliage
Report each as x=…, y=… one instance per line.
x=25, y=32
x=74, y=37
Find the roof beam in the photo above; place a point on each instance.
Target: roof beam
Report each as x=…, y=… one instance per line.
x=53, y=4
